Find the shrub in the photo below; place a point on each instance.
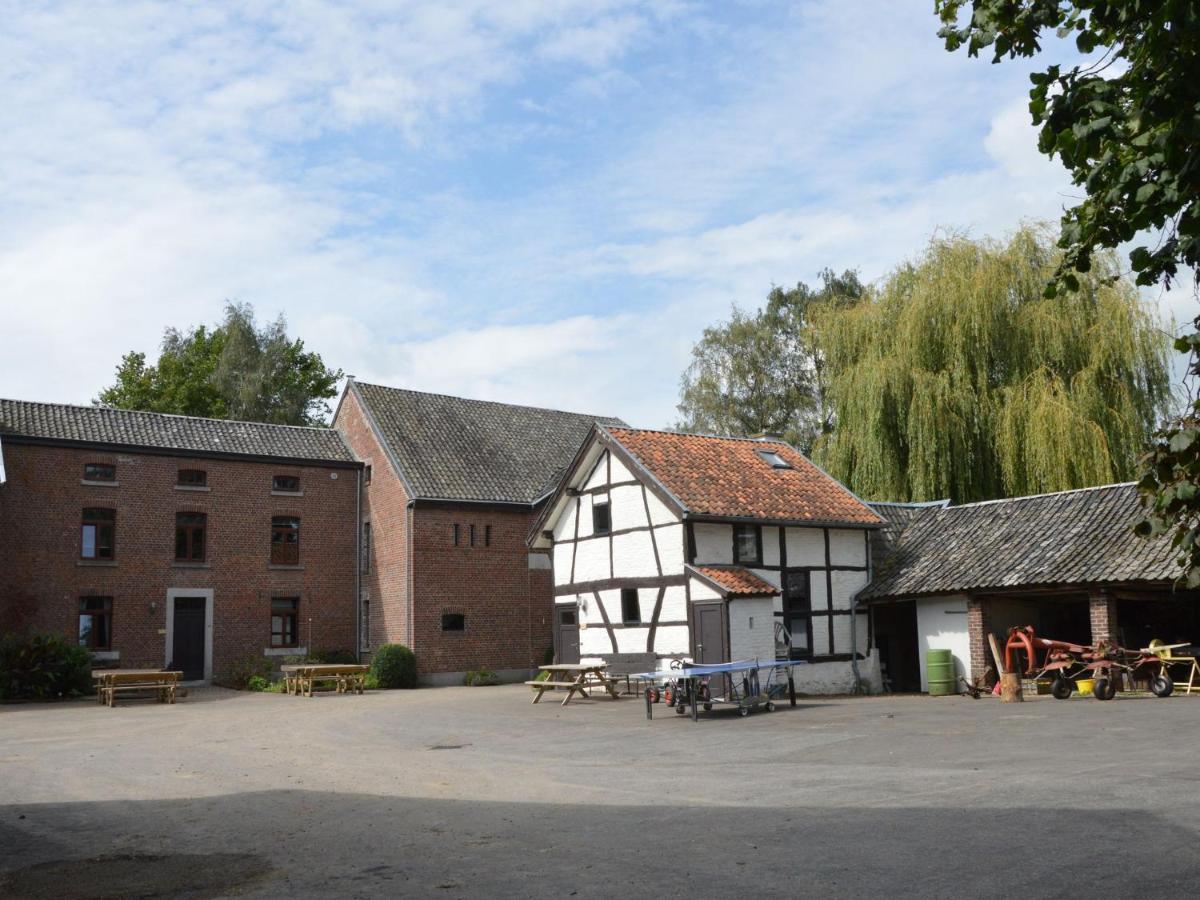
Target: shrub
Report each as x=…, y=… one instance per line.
x=481, y=678
x=42, y=667
x=257, y=683
x=370, y=682
x=394, y=666
x=240, y=674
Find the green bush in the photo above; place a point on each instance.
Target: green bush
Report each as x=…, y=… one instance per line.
x=257, y=683
x=394, y=666
x=43, y=667
x=241, y=673
x=370, y=682
x=481, y=678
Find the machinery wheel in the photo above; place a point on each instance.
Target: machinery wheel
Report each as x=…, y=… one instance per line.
x=1104, y=689
x=679, y=710
x=1061, y=688
x=770, y=707
x=1162, y=685
x=743, y=711
x=652, y=693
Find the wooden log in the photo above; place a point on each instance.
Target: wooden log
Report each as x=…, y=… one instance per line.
x=996, y=653
x=1010, y=688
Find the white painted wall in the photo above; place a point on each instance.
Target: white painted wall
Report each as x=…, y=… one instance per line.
x=752, y=628
x=619, y=471
x=942, y=625
x=805, y=546
x=701, y=590
x=670, y=539
x=674, y=607
x=838, y=677
x=591, y=560
x=627, y=508
x=660, y=513
x=714, y=544
x=770, y=545
x=847, y=547
x=599, y=475
x=633, y=555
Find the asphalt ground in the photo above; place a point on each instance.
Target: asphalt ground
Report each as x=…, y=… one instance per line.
x=474, y=792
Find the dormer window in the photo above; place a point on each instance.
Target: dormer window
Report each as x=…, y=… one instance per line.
x=601, y=519
x=774, y=460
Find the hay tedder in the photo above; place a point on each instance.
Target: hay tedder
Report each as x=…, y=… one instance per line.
x=1104, y=663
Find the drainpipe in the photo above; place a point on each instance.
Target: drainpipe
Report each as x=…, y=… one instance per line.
x=854, y=617
x=358, y=569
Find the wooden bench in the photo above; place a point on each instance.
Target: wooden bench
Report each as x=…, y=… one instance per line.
x=160, y=685
x=574, y=678
x=300, y=680
x=626, y=665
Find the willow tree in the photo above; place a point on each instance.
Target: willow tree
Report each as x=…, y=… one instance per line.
x=959, y=378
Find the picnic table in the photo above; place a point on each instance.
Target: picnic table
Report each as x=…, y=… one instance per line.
x=349, y=678
x=574, y=678
x=110, y=682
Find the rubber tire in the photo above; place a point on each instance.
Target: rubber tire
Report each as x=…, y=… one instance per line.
x=1061, y=688
x=770, y=707
x=1162, y=685
x=1104, y=689
x=743, y=711
x=679, y=710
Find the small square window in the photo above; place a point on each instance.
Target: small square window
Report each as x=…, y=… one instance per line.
x=454, y=622
x=631, y=611
x=192, y=478
x=289, y=483
x=747, y=547
x=601, y=520
x=774, y=459
x=99, y=472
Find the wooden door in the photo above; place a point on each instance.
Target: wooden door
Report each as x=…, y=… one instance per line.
x=187, y=641
x=566, y=635
x=709, y=634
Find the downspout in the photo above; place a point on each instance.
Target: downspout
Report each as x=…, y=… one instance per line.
x=858, y=685
x=409, y=627
x=358, y=570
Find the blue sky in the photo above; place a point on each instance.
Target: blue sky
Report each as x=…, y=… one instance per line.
x=535, y=202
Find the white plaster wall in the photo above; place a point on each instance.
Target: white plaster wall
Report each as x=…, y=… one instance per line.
x=631, y=640
x=847, y=547
x=770, y=545
x=820, y=635
x=805, y=546
x=714, y=543
x=589, y=610
x=660, y=513
x=838, y=677
x=564, y=527
x=599, y=476
x=674, y=607
x=633, y=555
x=591, y=560
x=701, y=590
x=672, y=640
x=845, y=586
x=619, y=471
x=670, y=548
x=818, y=590
x=562, y=563
x=841, y=634
x=752, y=628
x=627, y=508
x=942, y=625
x=594, y=642
x=585, y=515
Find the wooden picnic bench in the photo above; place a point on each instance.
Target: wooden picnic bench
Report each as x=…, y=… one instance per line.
x=111, y=682
x=348, y=678
x=574, y=678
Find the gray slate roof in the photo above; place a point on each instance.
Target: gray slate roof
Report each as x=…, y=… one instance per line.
x=1069, y=538
x=449, y=448
x=158, y=431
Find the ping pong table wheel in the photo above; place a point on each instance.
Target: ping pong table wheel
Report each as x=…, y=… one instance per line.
x=770, y=706
x=743, y=711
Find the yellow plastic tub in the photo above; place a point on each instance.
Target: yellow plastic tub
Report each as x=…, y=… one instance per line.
x=1084, y=686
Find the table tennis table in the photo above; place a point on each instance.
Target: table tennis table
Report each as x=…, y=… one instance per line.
x=693, y=685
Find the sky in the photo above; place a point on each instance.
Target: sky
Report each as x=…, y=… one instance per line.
x=532, y=202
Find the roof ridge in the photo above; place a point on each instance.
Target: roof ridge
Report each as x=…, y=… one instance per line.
x=566, y=412
x=911, y=504
x=717, y=437
x=1083, y=490
x=145, y=412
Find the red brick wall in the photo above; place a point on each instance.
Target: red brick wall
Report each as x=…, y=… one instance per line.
x=42, y=576
x=506, y=605
x=385, y=506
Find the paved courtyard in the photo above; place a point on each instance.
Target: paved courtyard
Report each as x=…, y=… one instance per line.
x=474, y=792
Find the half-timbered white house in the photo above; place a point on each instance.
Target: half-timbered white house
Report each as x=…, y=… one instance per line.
x=708, y=549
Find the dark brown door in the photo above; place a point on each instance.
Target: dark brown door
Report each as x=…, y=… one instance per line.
x=710, y=634
x=187, y=642
x=566, y=635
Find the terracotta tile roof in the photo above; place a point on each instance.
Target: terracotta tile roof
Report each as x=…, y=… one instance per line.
x=1069, y=538
x=728, y=477
x=738, y=582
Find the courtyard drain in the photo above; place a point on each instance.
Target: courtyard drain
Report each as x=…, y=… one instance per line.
x=136, y=875
x=448, y=746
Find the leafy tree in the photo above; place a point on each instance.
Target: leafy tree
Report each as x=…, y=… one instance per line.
x=958, y=378
x=763, y=372
x=1127, y=127
x=234, y=371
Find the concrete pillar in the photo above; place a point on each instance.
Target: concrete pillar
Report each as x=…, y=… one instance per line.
x=1102, y=609
x=979, y=623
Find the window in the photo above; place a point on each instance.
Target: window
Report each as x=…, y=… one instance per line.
x=631, y=611
x=288, y=483
x=285, y=540
x=366, y=548
x=98, y=534
x=192, y=478
x=747, y=544
x=285, y=617
x=454, y=534
x=95, y=623
x=189, y=536
x=774, y=459
x=454, y=622
x=366, y=475
x=601, y=520
x=487, y=535
x=795, y=641
x=99, y=472
x=471, y=535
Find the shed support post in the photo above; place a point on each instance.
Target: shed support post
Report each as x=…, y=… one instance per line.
x=979, y=625
x=1102, y=609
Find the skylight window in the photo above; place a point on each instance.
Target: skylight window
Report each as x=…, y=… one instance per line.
x=774, y=460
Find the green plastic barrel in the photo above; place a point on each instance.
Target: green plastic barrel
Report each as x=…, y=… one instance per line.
x=939, y=666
